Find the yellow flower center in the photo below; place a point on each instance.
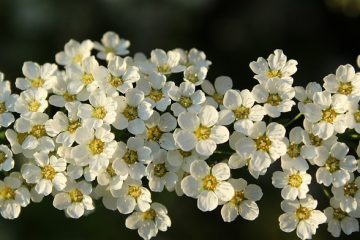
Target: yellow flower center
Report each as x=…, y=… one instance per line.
x=38, y=131
x=73, y=125
x=96, y=146
x=110, y=170
x=130, y=157
x=2, y=107
x=238, y=198
x=274, y=99
x=356, y=116
x=109, y=50
x=48, y=172
x=7, y=193
x=77, y=58
x=115, y=81
x=350, y=189
x=209, y=183
x=160, y=170
x=303, y=213
x=21, y=137
x=134, y=191
x=37, y=82
x=294, y=150
x=99, y=112
x=69, y=97
x=2, y=157
x=33, y=105
x=263, y=143
x=315, y=140
x=274, y=73
x=241, y=112
x=130, y=112
x=295, y=180
x=87, y=78
x=184, y=154
x=329, y=115
x=192, y=77
x=345, y=88
x=218, y=98
x=185, y=101
x=76, y=196
x=332, y=164
x=339, y=214
x=149, y=214
x=164, y=68
x=154, y=133
x=202, y=132
x=155, y=95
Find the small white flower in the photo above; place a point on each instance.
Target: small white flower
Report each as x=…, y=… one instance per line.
x=111, y=45
x=305, y=96
x=183, y=159
x=353, y=116
x=217, y=91
x=37, y=76
x=243, y=202
x=193, y=57
x=112, y=178
x=13, y=196
x=208, y=185
x=195, y=74
x=31, y=100
x=294, y=183
x=74, y=199
x=149, y=222
x=348, y=195
x=166, y=63
x=276, y=95
x=302, y=216
x=358, y=61
x=276, y=66
x=46, y=172
x=74, y=52
x=200, y=131
x=16, y=140
x=6, y=158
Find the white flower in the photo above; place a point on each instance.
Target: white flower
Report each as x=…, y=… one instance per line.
x=6, y=158
x=112, y=178
x=339, y=220
x=348, y=195
x=166, y=63
x=294, y=183
x=305, y=96
x=96, y=147
x=200, y=131
x=37, y=76
x=74, y=199
x=263, y=146
x=276, y=95
x=16, y=140
x=302, y=216
x=326, y=113
x=100, y=111
x=13, y=196
x=160, y=173
x=132, y=111
x=7, y=102
x=358, y=61
x=345, y=81
x=276, y=66
x=119, y=76
x=193, y=57
x=243, y=202
x=111, y=45
x=31, y=100
x=195, y=74
x=217, y=91
x=46, y=172
x=208, y=185
x=353, y=116
x=240, y=108
x=133, y=195
x=179, y=158
x=149, y=222
x=186, y=98
x=74, y=52
x=335, y=165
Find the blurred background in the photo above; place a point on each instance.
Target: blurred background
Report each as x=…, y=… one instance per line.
x=320, y=34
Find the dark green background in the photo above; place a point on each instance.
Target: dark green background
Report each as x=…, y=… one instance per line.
x=232, y=33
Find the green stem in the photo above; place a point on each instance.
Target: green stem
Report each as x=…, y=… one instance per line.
x=293, y=120
x=355, y=136
x=326, y=192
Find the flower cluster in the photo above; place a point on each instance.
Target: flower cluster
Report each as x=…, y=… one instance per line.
x=116, y=128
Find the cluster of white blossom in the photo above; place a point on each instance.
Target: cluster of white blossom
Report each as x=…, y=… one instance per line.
x=116, y=128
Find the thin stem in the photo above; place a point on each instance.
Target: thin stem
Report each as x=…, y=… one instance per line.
x=293, y=120
x=326, y=192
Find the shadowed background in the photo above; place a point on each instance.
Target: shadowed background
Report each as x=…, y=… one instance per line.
x=319, y=34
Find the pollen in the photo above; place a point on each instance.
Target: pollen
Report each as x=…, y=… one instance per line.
x=99, y=112
x=356, y=116
x=184, y=154
x=295, y=180
x=185, y=101
x=192, y=77
x=241, y=113
x=110, y=170
x=339, y=214
x=154, y=133
x=156, y=94
x=87, y=78
x=76, y=196
x=350, y=189
x=38, y=131
x=202, y=132
x=2, y=107
x=130, y=112
x=2, y=157
x=238, y=198
x=164, y=68
x=160, y=170
x=218, y=98
x=115, y=81
x=73, y=125
x=315, y=140
x=332, y=164
x=294, y=150
x=96, y=146
x=77, y=58
x=37, y=82
x=33, y=105
x=263, y=143
x=303, y=213
x=329, y=115
x=69, y=97
x=48, y=172
x=7, y=193
x=20, y=137
x=209, y=183
x=345, y=88
x=274, y=99
x=149, y=214
x=130, y=157
x=134, y=191
x=274, y=73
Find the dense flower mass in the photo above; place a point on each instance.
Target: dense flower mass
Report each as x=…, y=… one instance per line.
x=115, y=127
